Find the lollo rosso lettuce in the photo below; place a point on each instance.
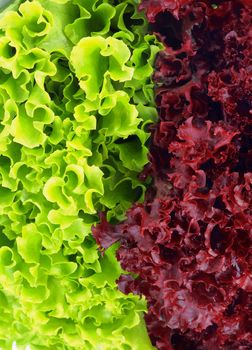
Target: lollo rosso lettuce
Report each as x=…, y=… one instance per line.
x=75, y=101
x=188, y=247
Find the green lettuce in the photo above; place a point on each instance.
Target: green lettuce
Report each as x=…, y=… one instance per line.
x=75, y=102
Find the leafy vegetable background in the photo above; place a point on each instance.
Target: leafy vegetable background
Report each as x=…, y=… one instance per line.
x=75, y=101
x=76, y=105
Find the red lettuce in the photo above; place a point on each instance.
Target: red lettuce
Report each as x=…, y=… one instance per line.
x=190, y=243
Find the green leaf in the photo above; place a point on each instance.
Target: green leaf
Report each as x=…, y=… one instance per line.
x=29, y=244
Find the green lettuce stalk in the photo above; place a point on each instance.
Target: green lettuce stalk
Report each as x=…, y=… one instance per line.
x=75, y=100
